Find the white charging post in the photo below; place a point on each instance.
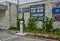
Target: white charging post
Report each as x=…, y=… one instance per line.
x=21, y=27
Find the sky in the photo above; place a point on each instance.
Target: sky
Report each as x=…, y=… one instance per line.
x=20, y=1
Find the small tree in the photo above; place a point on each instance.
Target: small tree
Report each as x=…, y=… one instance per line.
x=32, y=24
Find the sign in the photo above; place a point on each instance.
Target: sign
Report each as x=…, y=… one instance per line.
x=37, y=11
x=25, y=9
x=37, y=15
x=20, y=10
x=57, y=18
x=56, y=10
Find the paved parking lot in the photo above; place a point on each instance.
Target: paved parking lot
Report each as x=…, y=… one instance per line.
x=6, y=37
x=9, y=37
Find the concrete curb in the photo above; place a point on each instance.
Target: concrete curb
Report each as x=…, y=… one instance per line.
x=14, y=33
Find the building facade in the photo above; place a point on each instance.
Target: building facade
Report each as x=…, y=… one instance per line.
x=9, y=15
x=38, y=9
x=49, y=8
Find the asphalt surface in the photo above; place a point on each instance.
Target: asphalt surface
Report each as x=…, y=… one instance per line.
x=9, y=37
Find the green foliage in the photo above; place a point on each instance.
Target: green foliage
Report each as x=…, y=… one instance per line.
x=18, y=24
x=48, y=26
x=31, y=24
x=43, y=24
x=56, y=31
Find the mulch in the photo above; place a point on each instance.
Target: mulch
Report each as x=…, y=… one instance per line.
x=34, y=35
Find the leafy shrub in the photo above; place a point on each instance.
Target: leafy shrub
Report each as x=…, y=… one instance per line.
x=43, y=24
x=31, y=24
x=57, y=29
x=18, y=24
x=48, y=26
